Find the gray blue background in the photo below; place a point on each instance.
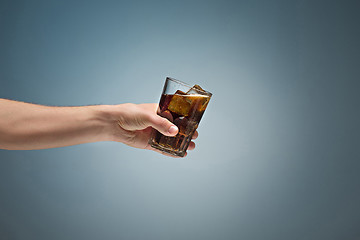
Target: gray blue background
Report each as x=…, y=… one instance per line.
x=278, y=151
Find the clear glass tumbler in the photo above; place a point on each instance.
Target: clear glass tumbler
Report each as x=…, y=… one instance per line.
x=183, y=105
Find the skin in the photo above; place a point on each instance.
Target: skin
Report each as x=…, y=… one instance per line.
x=26, y=126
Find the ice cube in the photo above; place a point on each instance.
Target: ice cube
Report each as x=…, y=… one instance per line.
x=166, y=114
x=181, y=123
x=179, y=92
x=204, y=103
x=196, y=89
x=179, y=104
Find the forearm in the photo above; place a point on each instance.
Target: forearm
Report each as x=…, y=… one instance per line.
x=29, y=126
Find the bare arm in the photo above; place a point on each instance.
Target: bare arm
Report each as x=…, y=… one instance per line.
x=30, y=126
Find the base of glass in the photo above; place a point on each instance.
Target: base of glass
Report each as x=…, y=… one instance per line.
x=167, y=150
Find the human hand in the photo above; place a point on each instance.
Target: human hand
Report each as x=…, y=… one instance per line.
x=134, y=124
x=25, y=126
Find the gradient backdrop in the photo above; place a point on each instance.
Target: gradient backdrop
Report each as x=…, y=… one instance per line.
x=278, y=151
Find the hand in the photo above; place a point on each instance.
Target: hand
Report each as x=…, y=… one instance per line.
x=135, y=122
x=26, y=126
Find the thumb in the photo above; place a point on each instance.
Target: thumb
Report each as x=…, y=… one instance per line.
x=163, y=125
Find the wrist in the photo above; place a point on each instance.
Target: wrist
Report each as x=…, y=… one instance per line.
x=106, y=120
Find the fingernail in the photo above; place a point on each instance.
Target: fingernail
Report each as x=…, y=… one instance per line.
x=173, y=130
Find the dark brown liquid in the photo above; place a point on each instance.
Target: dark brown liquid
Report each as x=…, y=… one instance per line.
x=185, y=111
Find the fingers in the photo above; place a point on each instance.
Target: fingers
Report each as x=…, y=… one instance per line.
x=163, y=125
x=191, y=146
x=195, y=136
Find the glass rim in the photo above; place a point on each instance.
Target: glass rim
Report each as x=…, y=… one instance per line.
x=187, y=85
